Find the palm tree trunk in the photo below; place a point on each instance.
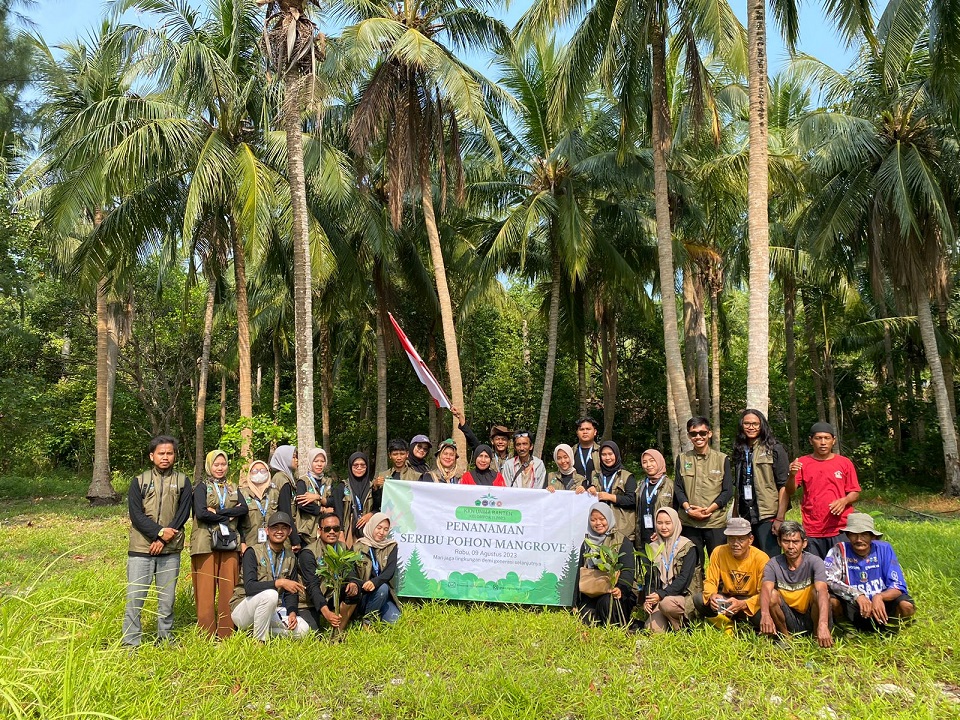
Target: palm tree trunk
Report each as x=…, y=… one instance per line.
x=326, y=382
x=816, y=370
x=715, y=361
x=948, y=432
x=701, y=345
x=758, y=350
x=675, y=446
x=661, y=146
x=553, y=321
x=201, y=413
x=381, y=458
x=790, y=342
x=582, y=377
x=446, y=305
x=689, y=337
x=223, y=400
x=243, y=342
x=946, y=359
x=828, y=374
x=302, y=271
x=101, y=490
x=608, y=329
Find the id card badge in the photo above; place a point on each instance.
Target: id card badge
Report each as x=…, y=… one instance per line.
x=748, y=492
x=262, y=535
x=224, y=530
x=648, y=521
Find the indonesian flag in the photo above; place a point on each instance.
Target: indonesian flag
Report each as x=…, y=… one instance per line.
x=420, y=367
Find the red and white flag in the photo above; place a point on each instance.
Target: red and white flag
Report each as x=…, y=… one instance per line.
x=420, y=367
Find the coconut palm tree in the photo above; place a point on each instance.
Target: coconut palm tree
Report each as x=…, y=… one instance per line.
x=416, y=98
x=883, y=160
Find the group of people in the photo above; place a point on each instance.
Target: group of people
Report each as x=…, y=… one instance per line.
x=713, y=542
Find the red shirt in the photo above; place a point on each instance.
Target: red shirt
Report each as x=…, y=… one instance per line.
x=824, y=481
x=467, y=479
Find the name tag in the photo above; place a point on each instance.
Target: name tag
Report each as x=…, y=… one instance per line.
x=648, y=521
x=262, y=535
x=748, y=492
x=224, y=529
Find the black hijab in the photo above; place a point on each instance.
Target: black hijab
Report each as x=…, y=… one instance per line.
x=416, y=463
x=483, y=477
x=359, y=486
x=608, y=470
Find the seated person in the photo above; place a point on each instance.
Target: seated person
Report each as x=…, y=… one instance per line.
x=865, y=580
x=318, y=606
x=731, y=590
x=266, y=600
x=670, y=601
x=566, y=477
x=377, y=571
x=399, y=467
x=483, y=472
x=794, y=596
x=596, y=601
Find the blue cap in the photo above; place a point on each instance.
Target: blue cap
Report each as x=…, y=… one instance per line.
x=421, y=439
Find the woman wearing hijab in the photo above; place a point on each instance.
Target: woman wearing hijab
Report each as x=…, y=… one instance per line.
x=284, y=463
x=316, y=496
x=615, y=485
x=761, y=471
x=262, y=498
x=670, y=600
x=360, y=498
x=596, y=601
x=445, y=471
x=377, y=570
x=484, y=472
x=566, y=477
x=655, y=492
x=217, y=507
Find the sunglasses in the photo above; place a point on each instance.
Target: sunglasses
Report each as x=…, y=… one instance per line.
x=521, y=435
x=698, y=433
x=330, y=528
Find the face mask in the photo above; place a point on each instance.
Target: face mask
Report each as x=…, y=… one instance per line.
x=260, y=476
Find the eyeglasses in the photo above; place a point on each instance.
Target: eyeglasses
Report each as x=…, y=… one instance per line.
x=521, y=435
x=698, y=433
x=330, y=528
x=751, y=424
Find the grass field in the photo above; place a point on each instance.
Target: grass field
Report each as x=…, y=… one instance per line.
x=62, y=573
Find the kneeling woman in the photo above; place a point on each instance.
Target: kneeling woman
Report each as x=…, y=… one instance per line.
x=377, y=570
x=670, y=600
x=596, y=601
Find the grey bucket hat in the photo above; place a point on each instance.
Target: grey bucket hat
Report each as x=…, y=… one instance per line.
x=861, y=523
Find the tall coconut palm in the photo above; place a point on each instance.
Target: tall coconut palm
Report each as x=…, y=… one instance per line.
x=416, y=98
x=883, y=160
x=625, y=45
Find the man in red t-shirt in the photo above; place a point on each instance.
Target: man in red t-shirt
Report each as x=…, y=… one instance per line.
x=830, y=487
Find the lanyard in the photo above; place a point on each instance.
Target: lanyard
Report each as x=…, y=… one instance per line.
x=607, y=484
x=318, y=484
x=649, y=494
x=275, y=570
x=262, y=508
x=749, y=458
x=357, y=502
x=376, y=565
x=221, y=498
x=583, y=461
x=673, y=552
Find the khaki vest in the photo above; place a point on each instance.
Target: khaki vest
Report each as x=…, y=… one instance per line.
x=703, y=481
x=200, y=539
x=264, y=572
x=626, y=518
x=365, y=566
x=255, y=519
x=307, y=524
x=161, y=496
x=408, y=474
x=594, y=453
x=555, y=480
x=764, y=483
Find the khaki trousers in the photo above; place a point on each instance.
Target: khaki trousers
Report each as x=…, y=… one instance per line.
x=215, y=575
x=670, y=611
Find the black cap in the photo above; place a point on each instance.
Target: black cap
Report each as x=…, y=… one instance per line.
x=822, y=427
x=280, y=518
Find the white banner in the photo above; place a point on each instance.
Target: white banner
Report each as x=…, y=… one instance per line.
x=493, y=544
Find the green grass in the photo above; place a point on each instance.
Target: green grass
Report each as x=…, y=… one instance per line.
x=62, y=583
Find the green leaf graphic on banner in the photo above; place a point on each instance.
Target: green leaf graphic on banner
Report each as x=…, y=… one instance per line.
x=397, y=501
x=544, y=590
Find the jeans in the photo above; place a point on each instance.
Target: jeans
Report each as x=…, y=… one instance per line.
x=142, y=571
x=379, y=602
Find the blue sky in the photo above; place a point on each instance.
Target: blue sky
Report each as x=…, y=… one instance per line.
x=59, y=20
